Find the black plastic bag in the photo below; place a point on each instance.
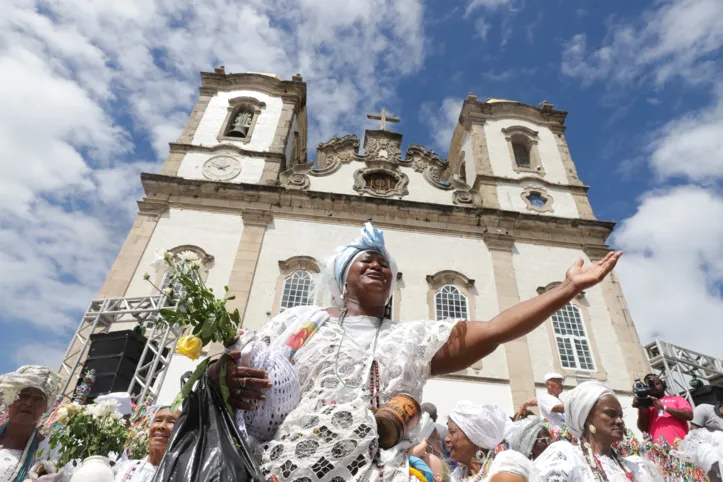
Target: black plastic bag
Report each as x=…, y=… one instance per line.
x=205, y=445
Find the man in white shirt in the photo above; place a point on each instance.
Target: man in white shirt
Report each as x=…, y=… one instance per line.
x=551, y=407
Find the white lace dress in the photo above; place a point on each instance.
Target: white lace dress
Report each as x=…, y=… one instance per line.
x=331, y=436
x=564, y=462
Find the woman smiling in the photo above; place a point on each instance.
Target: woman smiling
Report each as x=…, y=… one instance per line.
x=159, y=433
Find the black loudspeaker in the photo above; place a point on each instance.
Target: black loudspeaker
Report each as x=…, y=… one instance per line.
x=709, y=394
x=114, y=356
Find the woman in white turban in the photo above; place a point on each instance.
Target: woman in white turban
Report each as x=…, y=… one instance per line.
x=594, y=415
x=28, y=393
x=473, y=433
x=529, y=437
x=351, y=358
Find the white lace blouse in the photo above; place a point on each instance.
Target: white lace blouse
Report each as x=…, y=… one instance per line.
x=564, y=462
x=331, y=435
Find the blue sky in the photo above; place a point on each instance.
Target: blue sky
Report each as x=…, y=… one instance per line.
x=92, y=92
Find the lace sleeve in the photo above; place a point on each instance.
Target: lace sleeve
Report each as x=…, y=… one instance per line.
x=278, y=324
x=429, y=337
x=556, y=464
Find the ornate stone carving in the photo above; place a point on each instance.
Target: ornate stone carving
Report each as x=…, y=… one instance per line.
x=467, y=198
x=332, y=154
x=381, y=179
x=383, y=145
x=294, y=180
x=430, y=164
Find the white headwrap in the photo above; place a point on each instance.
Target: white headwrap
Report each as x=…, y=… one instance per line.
x=523, y=435
x=579, y=404
x=30, y=376
x=512, y=462
x=372, y=239
x=484, y=425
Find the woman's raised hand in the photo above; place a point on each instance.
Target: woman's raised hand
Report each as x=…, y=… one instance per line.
x=583, y=277
x=245, y=384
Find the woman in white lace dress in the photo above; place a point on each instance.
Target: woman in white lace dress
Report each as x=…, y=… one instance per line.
x=351, y=359
x=594, y=415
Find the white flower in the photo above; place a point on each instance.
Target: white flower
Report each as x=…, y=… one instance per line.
x=195, y=265
x=117, y=415
x=168, y=291
x=112, y=456
x=187, y=257
x=103, y=409
x=73, y=408
x=63, y=415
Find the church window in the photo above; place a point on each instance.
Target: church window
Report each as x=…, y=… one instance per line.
x=572, y=341
x=536, y=199
x=522, y=155
x=450, y=303
x=298, y=290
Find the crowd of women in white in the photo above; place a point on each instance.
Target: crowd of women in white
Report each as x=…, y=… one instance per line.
x=351, y=359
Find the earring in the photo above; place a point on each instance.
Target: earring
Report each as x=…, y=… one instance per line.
x=592, y=428
x=343, y=293
x=480, y=456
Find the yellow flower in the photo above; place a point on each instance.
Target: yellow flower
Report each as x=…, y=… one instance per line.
x=189, y=346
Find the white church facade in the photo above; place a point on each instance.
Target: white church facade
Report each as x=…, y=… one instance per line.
x=499, y=221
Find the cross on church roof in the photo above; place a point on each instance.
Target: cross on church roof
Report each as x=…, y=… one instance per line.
x=383, y=117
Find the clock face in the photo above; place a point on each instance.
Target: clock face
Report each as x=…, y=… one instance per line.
x=221, y=168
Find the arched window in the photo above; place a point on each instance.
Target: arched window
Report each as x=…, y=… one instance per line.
x=572, y=341
x=298, y=290
x=522, y=154
x=450, y=303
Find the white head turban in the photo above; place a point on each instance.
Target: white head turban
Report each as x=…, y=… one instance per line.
x=372, y=239
x=484, y=425
x=30, y=376
x=523, y=435
x=512, y=462
x=579, y=404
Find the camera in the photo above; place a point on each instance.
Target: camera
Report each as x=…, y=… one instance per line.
x=643, y=391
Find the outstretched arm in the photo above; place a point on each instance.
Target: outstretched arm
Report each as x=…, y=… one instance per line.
x=471, y=341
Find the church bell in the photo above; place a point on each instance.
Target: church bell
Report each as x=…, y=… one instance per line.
x=241, y=124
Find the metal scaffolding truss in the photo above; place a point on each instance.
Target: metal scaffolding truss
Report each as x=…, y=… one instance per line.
x=677, y=365
x=99, y=318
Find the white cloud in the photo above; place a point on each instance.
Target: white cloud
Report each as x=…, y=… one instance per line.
x=38, y=354
x=672, y=270
x=441, y=120
x=88, y=89
x=490, y=5
x=679, y=38
x=482, y=27
x=691, y=146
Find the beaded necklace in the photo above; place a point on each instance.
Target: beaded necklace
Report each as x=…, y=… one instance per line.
x=342, y=315
x=129, y=476
x=593, y=461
